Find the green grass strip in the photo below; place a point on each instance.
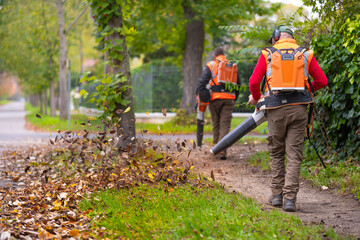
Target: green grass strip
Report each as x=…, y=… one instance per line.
x=3, y=102
x=342, y=175
x=170, y=127
x=48, y=123
x=186, y=212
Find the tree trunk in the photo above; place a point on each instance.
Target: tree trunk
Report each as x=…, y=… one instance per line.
x=127, y=122
x=52, y=94
x=41, y=102
x=81, y=51
x=192, y=58
x=46, y=102
x=64, y=111
x=49, y=49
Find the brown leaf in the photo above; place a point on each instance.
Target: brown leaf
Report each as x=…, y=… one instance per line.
x=128, y=225
x=38, y=116
x=50, y=230
x=15, y=179
x=74, y=233
x=163, y=110
x=86, y=134
x=42, y=235
x=212, y=175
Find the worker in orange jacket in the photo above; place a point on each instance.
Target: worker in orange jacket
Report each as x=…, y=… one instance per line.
x=287, y=67
x=222, y=100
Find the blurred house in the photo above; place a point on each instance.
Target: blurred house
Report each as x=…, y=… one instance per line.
x=9, y=88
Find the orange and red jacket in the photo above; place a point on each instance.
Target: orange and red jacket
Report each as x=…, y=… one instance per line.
x=209, y=78
x=262, y=67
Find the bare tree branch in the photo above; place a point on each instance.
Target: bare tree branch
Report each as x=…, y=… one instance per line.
x=77, y=18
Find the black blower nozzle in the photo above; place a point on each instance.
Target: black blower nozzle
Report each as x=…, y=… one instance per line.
x=200, y=132
x=244, y=128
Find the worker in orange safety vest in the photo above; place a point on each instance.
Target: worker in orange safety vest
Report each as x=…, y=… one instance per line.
x=216, y=78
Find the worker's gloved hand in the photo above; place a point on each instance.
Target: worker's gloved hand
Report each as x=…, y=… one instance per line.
x=252, y=101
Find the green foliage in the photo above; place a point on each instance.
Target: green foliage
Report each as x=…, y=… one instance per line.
x=334, y=11
x=107, y=94
x=249, y=32
x=103, y=12
x=161, y=23
x=188, y=212
x=112, y=94
x=28, y=40
x=339, y=104
x=344, y=176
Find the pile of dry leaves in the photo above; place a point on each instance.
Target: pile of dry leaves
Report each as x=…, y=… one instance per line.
x=52, y=180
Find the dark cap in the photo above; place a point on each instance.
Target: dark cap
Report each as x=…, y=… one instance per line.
x=278, y=30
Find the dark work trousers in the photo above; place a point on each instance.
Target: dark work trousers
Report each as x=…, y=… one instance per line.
x=221, y=114
x=286, y=136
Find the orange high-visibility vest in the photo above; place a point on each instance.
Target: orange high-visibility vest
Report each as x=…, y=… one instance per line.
x=287, y=74
x=287, y=66
x=214, y=68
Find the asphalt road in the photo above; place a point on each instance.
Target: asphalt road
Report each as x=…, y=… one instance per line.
x=12, y=127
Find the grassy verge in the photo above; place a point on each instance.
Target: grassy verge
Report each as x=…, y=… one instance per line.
x=170, y=127
x=149, y=212
x=48, y=123
x=2, y=102
x=344, y=176
x=51, y=124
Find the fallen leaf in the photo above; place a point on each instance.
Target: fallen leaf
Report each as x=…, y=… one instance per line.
x=74, y=233
x=212, y=175
x=163, y=110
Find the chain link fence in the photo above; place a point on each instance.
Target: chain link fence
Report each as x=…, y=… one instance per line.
x=156, y=87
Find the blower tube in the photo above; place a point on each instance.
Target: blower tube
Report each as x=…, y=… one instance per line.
x=244, y=128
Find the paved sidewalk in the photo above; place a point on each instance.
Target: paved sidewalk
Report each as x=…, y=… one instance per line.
x=12, y=127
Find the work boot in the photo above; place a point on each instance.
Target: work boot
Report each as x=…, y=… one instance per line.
x=276, y=200
x=289, y=205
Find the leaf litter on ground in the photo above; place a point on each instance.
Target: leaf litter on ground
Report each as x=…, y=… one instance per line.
x=51, y=180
